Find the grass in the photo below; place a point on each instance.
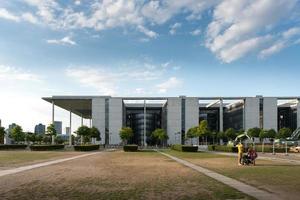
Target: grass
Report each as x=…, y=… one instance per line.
x=116, y=175
x=18, y=158
x=271, y=176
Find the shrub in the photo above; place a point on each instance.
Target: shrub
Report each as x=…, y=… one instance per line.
x=184, y=148
x=188, y=148
x=46, y=147
x=132, y=147
x=12, y=146
x=90, y=147
x=176, y=147
x=211, y=147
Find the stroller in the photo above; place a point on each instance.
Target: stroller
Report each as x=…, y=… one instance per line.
x=246, y=160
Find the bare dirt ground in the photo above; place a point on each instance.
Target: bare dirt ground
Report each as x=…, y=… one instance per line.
x=12, y=159
x=115, y=175
x=272, y=176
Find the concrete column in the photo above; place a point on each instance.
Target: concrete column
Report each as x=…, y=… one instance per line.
x=270, y=113
x=145, y=124
x=115, y=119
x=90, y=123
x=221, y=126
x=251, y=112
x=173, y=119
x=191, y=115
x=70, y=133
x=52, y=137
x=298, y=113
x=81, y=120
x=98, y=116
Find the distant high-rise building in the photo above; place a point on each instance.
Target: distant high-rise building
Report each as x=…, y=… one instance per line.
x=39, y=129
x=58, y=127
x=68, y=131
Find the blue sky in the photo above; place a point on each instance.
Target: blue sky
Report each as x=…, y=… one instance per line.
x=144, y=48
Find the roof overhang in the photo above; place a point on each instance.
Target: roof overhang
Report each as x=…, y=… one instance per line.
x=79, y=105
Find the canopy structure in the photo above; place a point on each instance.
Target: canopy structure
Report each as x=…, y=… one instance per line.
x=79, y=105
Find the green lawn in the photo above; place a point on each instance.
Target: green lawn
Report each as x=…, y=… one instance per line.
x=116, y=175
x=19, y=158
x=277, y=177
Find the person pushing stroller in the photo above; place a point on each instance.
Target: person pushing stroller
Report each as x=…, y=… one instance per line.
x=250, y=157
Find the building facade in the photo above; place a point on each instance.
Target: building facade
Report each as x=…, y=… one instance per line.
x=177, y=114
x=39, y=129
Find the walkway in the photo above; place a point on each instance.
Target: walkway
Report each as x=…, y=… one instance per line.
x=29, y=167
x=242, y=187
x=266, y=156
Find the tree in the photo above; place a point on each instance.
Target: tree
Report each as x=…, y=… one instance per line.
x=221, y=136
x=254, y=132
x=230, y=134
x=284, y=133
x=126, y=133
x=39, y=138
x=192, y=133
x=203, y=130
x=271, y=133
x=51, y=132
x=17, y=134
x=84, y=132
x=30, y=137
x=160, y=135
x=2, y=134
x=59, y=139
x=95, y=133
x=262, y=135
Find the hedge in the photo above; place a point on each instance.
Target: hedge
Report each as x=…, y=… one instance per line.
x=132, y=147
x=184, y=148
x=177, y=147
x=47, y=147
x=91, y=147
x=267, y=149
x=12, y=146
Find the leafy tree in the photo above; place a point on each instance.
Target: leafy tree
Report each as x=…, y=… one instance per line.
x=126, y=133
x=30, y=137
x=160, y=135
x=284, y=133
x=51, y=132
x=254, y=132
x=39, y=138
x=46, y=139
x=192, y=133
x=203, y=130
x=84, y=132
x=17, y=134
x=2, y=134
x=221, y=136
x=271, y=133
x=95, y=133
x=59, y=140
x=230, y=134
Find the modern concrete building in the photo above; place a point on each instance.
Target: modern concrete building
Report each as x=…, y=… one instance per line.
x=39, y=128
x=58, y=127
x=177, y=114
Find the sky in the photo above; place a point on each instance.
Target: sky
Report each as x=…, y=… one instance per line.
x=143, y=48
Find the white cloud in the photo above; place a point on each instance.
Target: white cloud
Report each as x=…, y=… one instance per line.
x=242, y=24
x=8, y=73
x=8, y=15
x=171, y=83
x=174, y=28
x=77, y=2
x=284, y=40
x=147, y=32
x=196, y=32
x=64, y=41
x=29, y=18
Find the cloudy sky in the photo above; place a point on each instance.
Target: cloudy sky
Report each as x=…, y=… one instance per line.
x=143, y=48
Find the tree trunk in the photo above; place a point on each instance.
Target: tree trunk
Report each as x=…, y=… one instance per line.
x=81, y=139
x=52, y=140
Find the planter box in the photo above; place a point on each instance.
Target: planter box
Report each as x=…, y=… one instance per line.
x=47, y=147
x=13, y=146
x=130, y=148
x=92, y=147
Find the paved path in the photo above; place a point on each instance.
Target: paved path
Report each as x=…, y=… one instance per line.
x=260, y=157
x=29, y=167
x=242, y=187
